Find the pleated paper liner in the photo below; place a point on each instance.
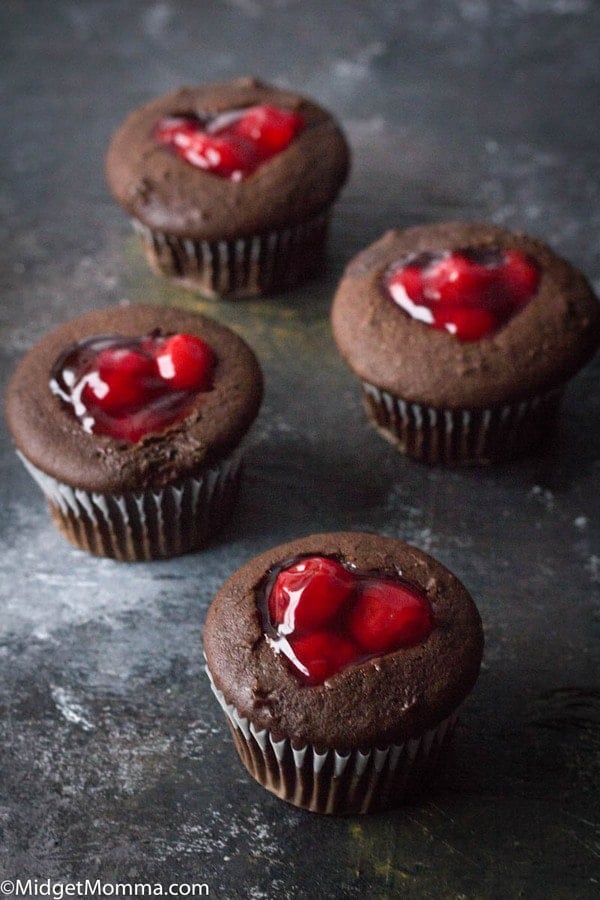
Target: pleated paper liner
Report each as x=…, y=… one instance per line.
x=247, y=267
x=144, y=525
x=462, y=436
x=326, y=781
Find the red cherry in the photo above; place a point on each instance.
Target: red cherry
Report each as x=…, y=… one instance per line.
x=457, y=280
x=410, y=279
x=388, y=615
x=122, y=378
x=308, y=595
x=231, y=156
x=467, y=323
x=322, y=654
x=124, y=360
x=272, y=129
x=521, y=275
x=186, y=362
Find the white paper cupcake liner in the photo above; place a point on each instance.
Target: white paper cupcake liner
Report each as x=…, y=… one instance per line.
x=327, y=781
x=148, y=524
x=247, y=267
x=462, y=436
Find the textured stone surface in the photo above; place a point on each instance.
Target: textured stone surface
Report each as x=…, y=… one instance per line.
x=116, y=760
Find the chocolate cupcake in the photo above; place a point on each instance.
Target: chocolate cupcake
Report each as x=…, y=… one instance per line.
x=464, y=336
x=340, y=661
x=131, y=421
x=230, y=185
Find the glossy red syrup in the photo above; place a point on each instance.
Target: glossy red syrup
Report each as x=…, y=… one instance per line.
x=233, y=144
x=469, y=293
x=324, y=616
x=128, y=387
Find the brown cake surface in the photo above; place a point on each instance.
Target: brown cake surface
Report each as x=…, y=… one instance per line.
x=538, y=349
x=385, y=700
x=169, y=195
x=48, y=434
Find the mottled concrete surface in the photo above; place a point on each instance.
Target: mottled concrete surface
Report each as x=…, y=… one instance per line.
x=116, y=762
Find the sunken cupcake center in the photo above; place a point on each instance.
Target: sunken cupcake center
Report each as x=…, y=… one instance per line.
x=470, y=293
x=325, y=616
x=128, y=387
x=231, y=144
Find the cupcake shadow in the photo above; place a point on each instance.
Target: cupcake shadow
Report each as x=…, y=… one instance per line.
x=297, y=489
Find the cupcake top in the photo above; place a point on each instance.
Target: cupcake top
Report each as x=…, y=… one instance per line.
x=133, y=397
x=168, y=182
x=357, y=676
x=463, y=315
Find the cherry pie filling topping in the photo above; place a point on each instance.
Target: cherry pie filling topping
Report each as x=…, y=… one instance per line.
x=128, y=387
x=231, y=144
x=324, y=615
x=470, y=293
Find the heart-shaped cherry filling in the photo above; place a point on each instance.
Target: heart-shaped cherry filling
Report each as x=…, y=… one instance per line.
x=470, y=293
x=232, y=144
x=127, y=387
x=325, y=615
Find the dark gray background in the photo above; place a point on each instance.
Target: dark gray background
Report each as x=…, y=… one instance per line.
x=116, y=762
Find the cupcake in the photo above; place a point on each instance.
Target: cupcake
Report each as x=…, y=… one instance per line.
x=230, y=185
x=131, y=420
x=463, y=336
x=341, y=661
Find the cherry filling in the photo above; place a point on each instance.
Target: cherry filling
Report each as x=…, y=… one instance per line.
x=127, y=387
x=470, y=293
x=324, y=615
x=231, y=144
